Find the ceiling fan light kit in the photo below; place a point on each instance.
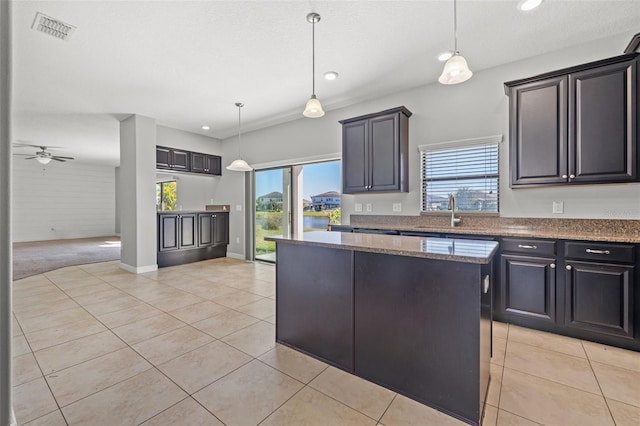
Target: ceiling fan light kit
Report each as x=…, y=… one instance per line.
x=455, y=69
x=313, y=108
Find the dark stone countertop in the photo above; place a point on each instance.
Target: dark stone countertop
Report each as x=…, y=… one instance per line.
x=452, y=249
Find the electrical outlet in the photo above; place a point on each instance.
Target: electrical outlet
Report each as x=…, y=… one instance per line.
x=397, y=207
x=369, y=207
x=237, y=240
x=358, y=207
x=558, y=207
x=238, y=207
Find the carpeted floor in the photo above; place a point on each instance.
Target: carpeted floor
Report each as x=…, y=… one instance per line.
x=36, y=257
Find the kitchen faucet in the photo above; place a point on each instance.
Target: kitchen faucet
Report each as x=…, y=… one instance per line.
x=452, y=206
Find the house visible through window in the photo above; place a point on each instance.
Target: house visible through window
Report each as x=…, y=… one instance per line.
x=166, y=195
x=468, y=169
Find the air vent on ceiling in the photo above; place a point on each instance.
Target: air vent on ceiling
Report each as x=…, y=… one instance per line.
x=52, y=26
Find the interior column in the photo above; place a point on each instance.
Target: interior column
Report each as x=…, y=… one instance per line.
x=6, y=308
x=137, y=194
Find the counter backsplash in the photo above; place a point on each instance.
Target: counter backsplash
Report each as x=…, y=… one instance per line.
x=622, y=230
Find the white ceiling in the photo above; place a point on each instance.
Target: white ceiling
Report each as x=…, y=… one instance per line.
x=185, y=63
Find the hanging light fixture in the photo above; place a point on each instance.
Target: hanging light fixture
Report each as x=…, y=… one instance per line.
x=313, y=108
x=456, y=69
x=239, y=165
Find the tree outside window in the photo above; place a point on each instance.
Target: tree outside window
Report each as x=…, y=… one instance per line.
x=166, y=195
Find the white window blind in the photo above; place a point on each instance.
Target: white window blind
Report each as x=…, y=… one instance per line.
x=468, y=169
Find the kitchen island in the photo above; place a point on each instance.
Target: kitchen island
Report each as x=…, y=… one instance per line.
x=412, y=314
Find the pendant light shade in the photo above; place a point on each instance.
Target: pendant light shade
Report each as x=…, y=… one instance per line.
x=239, y=165
x=313, y=108
x=456, y=69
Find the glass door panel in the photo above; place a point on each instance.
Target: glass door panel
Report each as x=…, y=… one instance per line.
x=272, y=210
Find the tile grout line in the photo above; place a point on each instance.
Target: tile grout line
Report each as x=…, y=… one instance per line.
x=598, y=382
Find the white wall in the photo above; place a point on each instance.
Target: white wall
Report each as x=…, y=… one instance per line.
x=194, y=191
x=62, y=200
x=475, y=108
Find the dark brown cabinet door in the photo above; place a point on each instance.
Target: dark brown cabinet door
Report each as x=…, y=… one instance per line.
x=188, y=230
x=221, y=229
x=384, y=153
x=538, y=127
x=355, y=160
x=528, y=287
x=163, y=157
x=213, y=165
x=180, y=160
x=168, y=232
x=198, y=162
x=599, y=297
x=603, y=119
x=205, y=229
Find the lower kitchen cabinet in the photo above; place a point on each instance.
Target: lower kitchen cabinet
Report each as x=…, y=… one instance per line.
x=600, y=297
x=185, y=237
x=528, y=287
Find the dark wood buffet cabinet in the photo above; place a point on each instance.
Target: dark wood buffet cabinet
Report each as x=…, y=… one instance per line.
x=185, y=237
x=577, y=125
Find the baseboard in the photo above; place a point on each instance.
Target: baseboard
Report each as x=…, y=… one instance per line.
x=138, y=269
x=236, y=255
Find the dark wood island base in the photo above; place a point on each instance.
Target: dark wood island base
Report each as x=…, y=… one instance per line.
x=412, y=314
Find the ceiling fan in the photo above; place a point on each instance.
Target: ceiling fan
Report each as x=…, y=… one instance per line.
x=43, y=156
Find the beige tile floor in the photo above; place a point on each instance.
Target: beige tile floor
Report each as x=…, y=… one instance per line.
x=194, y=345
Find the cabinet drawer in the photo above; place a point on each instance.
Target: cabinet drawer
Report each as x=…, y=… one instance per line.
x=600, y=251
x=537, y=247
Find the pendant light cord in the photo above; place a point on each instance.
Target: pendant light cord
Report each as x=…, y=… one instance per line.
x=455, y=27
x=313, y=56
x=239, y=105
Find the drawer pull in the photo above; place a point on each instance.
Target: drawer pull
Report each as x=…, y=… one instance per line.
x=593, y=251
x=527, y=246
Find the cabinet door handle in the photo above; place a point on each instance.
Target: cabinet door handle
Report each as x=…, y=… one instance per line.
x=527, y=246
x=569, y=267
x=595, y=251
x=572, y=176
x=564, y=176
x=552, y=266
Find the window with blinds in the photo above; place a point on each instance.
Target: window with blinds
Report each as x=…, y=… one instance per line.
x=468, y=169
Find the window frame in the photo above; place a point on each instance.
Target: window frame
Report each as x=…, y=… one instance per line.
x=458, y=144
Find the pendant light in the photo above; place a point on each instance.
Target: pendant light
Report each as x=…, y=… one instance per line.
x=313, y=108
x=239, y=165
x=456, y=69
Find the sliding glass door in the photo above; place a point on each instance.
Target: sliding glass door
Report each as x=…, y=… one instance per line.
x=272, y=209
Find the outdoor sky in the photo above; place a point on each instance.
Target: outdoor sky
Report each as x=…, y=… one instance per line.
x=317, y=178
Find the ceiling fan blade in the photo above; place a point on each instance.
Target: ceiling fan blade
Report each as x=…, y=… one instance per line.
x=60, y=159
x=56, y=157
x=28, y=155
x=29, y=158
x=43, y=147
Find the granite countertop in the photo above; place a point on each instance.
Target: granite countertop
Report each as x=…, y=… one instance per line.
x=612, y=230
x=459, y=250
x=188, y=211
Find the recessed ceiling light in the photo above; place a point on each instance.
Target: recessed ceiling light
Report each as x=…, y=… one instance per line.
x=444, y=56
x=526, y=5
x=330, y=75
x=205, y=127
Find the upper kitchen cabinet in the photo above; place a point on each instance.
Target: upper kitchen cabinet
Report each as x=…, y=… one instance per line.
x=180, y=160
x=173, y=159
x=206, y=163
x=375, y=152
x=575, y=126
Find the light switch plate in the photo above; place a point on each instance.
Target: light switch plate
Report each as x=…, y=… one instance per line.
x=358, y=207
x=369, y=207
x=397, y=207
x=238, y=207
x=558, y=207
